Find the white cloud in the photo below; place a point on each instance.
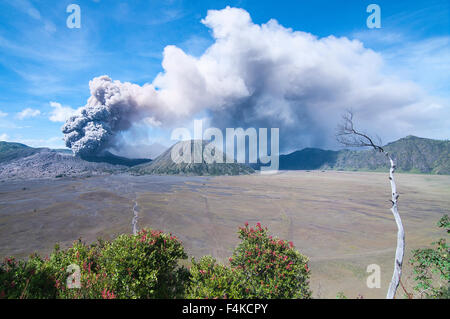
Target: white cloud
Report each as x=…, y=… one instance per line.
x=61, y=113
x=150, y=121
x=3, y=114
x=4, y=137
x=267, y=76
x=271, y=76
x=27, y=113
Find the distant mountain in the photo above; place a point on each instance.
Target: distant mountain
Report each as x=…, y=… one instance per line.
x=141, y=150
x=110, y=158
x=412, y=154
x=164, y=165
x=307, y=158
x=11, y=151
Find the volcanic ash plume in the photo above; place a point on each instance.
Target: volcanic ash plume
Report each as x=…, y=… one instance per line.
x=112, y=108
x=261, y=76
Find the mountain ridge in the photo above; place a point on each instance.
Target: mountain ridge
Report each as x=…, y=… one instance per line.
x=164, y=165
x=110, y=158
x=412, y=154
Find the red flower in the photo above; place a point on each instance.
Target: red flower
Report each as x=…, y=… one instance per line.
x=106, y=294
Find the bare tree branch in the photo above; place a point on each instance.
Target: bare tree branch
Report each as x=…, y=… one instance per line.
x=347, y=135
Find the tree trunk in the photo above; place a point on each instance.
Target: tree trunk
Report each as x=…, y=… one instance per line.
x=400, y=235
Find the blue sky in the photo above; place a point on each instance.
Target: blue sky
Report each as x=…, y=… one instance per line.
x=43, y=61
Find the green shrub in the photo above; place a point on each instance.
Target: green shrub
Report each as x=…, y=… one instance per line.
x=272, y=268
x=26, y=279
x=141, y=266
x=432, y=267
x=211, y=280
x=341, y=295
x=145, y=265
x=94, y=281
x=261, y=267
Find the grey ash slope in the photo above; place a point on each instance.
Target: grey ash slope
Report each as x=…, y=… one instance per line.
x=164, y=165
x=48, y=163
x=19, y=161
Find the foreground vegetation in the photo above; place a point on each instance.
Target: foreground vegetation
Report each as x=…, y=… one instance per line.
x=147, y=265
x=432, y=267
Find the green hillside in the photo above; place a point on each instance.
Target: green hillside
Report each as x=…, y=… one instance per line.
x=11, y=151
x=412, y=154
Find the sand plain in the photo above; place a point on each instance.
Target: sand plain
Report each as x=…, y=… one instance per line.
x=340, y=220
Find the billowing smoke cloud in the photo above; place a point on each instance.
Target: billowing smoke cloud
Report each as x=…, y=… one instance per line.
x=261, y=76
x=113, y=107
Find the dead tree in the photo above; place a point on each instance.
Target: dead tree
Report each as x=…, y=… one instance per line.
x=347, y=135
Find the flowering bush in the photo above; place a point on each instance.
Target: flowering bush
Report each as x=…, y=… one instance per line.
x=272, y=267
x=261, y=267
x=93, y=280
x=145, y=265
x=212, y=280
x=141, y=266
x=26, y=279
